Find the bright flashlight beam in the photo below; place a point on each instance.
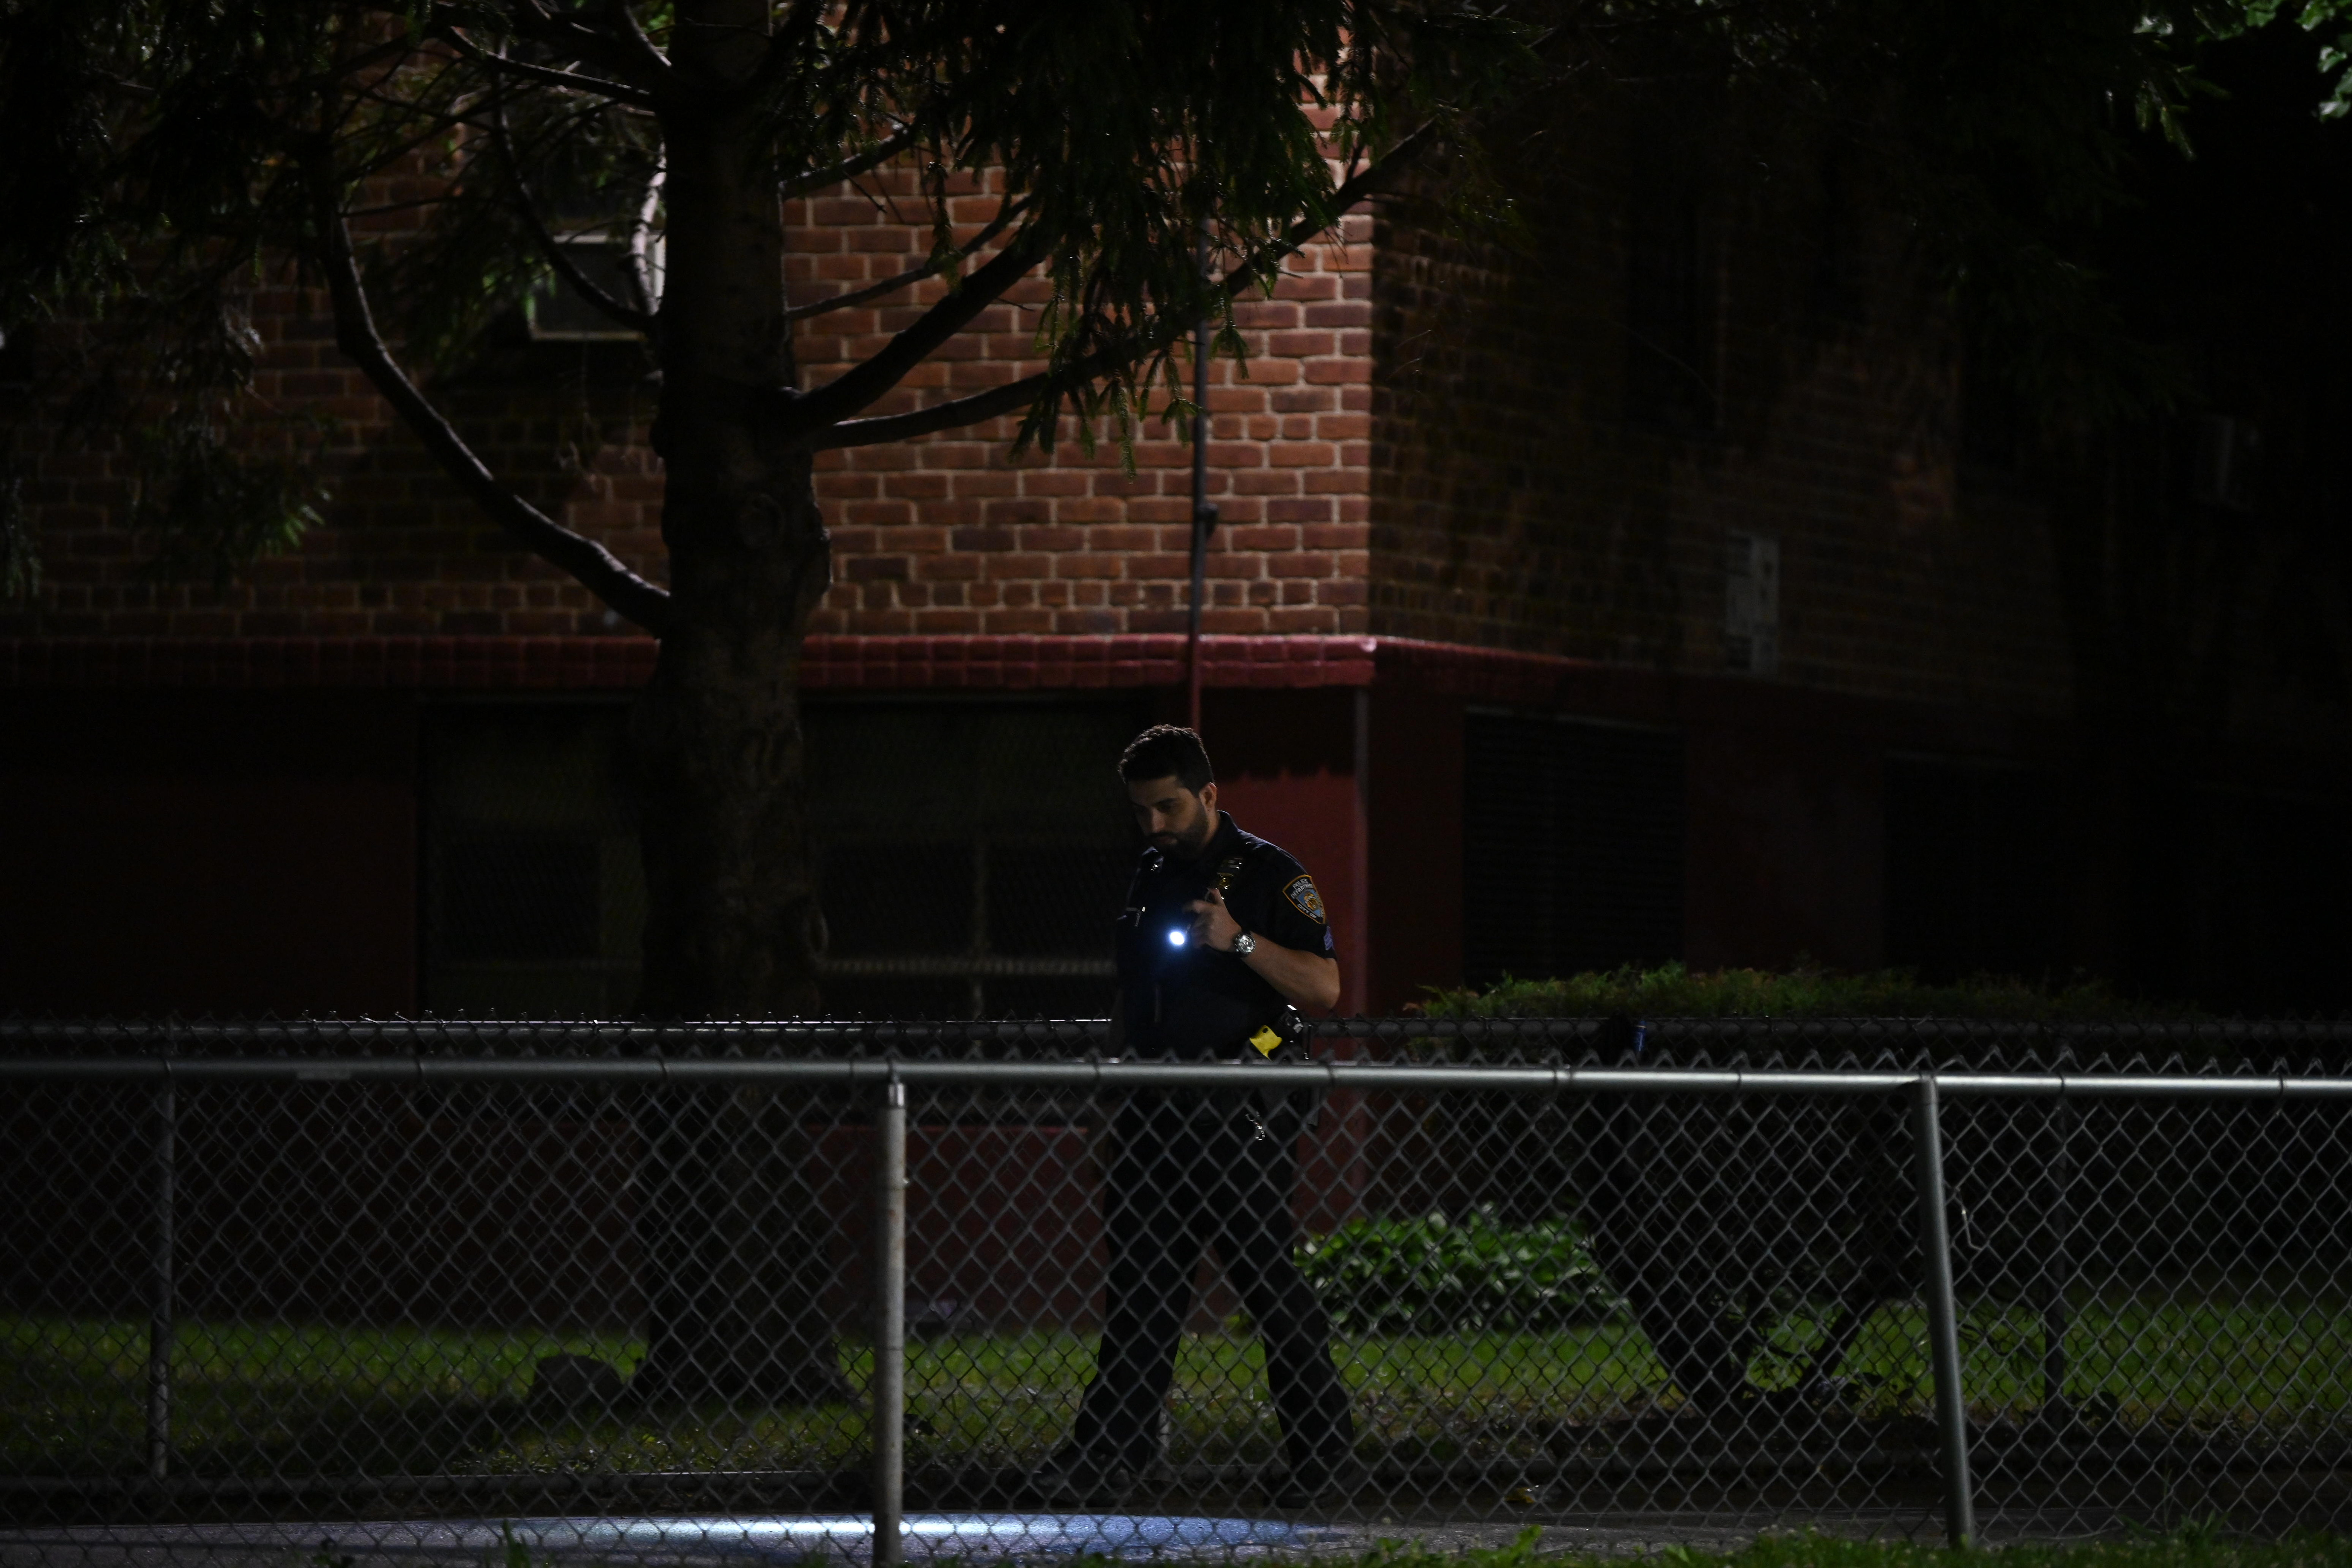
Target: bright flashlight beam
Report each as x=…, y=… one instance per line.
x=1176, y=939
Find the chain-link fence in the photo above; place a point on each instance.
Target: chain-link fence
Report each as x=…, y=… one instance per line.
x=469, y=1292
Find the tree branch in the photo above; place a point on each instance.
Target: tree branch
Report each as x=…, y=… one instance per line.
x=786, y=49
x=913, y=274
x=643, y=294
x=626, y=51
x=633, y=36
x=858, y=386
x=571, y=82
x=1015, y=396
x=552, y=247
x=996, y=402
x=881, y=152
x=596, y=568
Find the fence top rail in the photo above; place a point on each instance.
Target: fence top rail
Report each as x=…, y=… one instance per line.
x=807, y=1037
x=1116, y=1074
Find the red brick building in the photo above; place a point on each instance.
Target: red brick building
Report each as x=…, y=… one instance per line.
x=1619, y=593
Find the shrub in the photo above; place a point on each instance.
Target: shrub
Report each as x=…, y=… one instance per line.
x=1438, y=1276
x=1672, y=991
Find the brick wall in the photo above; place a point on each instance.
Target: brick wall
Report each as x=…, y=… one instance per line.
x=1510, y=499
x=1522, y=498
x=402, y=551
x=951, y=533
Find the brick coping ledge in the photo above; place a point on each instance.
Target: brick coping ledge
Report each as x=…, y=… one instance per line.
x=833, y=663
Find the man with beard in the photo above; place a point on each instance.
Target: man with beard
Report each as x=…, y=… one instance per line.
x=1222, y=940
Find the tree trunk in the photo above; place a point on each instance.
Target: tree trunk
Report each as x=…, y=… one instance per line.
x=731, y=1232
x=734, y=1245
x=732, y=928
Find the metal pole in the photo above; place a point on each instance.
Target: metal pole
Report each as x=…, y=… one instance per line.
x=2058, y=1272
x=1943, y=1319
x=1204, y=516
x=890, y=1325
x=162, y=1312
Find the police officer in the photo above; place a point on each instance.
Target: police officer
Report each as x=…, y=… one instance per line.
x=1223, y=940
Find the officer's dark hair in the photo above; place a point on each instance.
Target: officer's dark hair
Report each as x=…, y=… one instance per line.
x=1166, y=751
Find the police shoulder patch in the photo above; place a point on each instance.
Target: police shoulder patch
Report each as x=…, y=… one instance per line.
x=1301, y=892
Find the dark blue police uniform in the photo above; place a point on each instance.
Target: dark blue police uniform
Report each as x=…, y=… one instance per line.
x=1193, y=1169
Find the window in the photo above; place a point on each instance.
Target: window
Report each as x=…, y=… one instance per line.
x=558, y=312
x=2225, y=462
x=972, y=855
x=534, y=897
x=972, y=858
x=1972, y=850
x=2239, y=902
x=1572, y=847
x=1670, y=317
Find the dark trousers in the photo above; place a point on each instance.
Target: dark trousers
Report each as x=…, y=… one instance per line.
x=1187, y=1175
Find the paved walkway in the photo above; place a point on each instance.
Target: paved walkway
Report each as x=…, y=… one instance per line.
x=751, y=1541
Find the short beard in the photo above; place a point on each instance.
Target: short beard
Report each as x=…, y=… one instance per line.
x=1193, y=844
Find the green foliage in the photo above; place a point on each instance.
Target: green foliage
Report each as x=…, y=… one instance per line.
x=2328, y=20
x=512, y=1554
x=279, y=1399
x=2191, y=1547
x=1674, y=991
x=1435, y=1274
x=216, y=507
x=166, y=158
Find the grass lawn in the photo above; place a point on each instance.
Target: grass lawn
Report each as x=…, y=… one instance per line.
x=2190, y=1549
x=262, y=1399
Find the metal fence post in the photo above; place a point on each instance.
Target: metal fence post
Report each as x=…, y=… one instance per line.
x=2057, y=1272
x=889, y=1386
x=1943, y=1319
x=162, y=1306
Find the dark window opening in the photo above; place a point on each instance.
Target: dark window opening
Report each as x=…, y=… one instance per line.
x=1972, y=856
x=1994, y=420
x=534, y=897
x=970, y=858
x=521, y=898
x=1670, y=306
x=1573, y=848
x=2239, y=902
x=1836, y=289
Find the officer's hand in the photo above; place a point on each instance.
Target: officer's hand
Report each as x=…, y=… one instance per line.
x=1212, y=923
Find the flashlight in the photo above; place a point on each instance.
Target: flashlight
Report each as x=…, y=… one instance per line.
x=1176, y=937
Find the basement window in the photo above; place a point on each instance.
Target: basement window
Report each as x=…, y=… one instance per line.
x=1572, y=847
x=970, y=858
x=972, y=855
x=534, y=897
x=1972, y=848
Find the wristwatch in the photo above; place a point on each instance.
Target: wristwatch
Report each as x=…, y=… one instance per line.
x=1243, y=945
